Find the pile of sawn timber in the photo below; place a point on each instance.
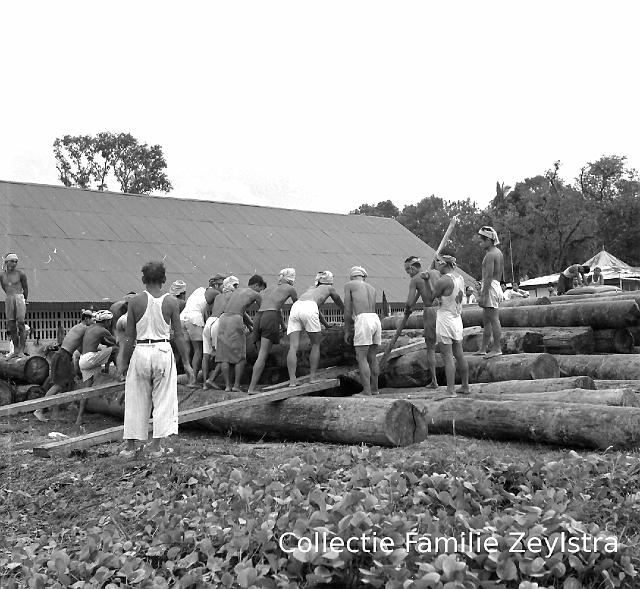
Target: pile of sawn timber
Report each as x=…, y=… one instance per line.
x=548, y=347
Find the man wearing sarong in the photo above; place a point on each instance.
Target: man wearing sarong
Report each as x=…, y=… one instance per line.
x=14, y=283
x=210, y=333
x=92, y=359
x=450, y=290
x=360, y=303
x=305, y=315
x=231, y=342
x=571, y=277
x=151, y=383
x=490, y=292
x=268, y=323
x=421, y=285
x=62, y=373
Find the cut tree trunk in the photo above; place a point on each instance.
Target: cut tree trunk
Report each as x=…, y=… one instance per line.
x=605, y=296
x=598, y=315
x=564, y=424
x=611, y=397
x=511, y=387
x=634, y=385
x=609, y=367
x=526, y=302
x=411, y=369
x=619, y=341
x=25, y=370
x=567, y=340
x=513, y=341
x=355, y=420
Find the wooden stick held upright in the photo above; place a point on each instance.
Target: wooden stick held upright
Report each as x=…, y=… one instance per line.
x=402, y=325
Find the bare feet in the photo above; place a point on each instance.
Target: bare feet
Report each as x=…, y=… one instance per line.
x=209, y=384
x=293, y=383
x=432, y=385
x=237, y=390
x=463, y=392
x=40, y=416
x=254, y=392
x=479, y=353
x=493, y=354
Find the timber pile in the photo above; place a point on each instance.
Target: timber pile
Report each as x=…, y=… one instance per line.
x=25, y=370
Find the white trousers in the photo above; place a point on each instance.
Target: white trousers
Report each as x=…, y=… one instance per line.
x=152, y=382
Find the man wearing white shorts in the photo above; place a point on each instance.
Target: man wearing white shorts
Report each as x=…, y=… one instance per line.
x=450, y=290
x=491, y=292
x=360, y=301
x=305, y=315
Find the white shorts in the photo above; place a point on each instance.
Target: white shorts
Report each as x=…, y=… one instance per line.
x=304, y=316
x=91, y=363
x=496, y=296
x=210, y=336
x=367, y=330
x=448, y=327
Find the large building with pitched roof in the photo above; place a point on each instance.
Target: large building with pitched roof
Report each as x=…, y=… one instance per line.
x=82, y=247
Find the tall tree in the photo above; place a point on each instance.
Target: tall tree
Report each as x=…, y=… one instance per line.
x=384, y=208
x=88, y=162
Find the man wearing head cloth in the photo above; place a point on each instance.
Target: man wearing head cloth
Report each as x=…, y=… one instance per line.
x=305, y=315
x=14, y=283
x=92, y=358
x=62, y=362
x=421, y=285
x=228, y=286
x=268, y=324
x=360, y=317
x=449, y=290
x=491, y=292
x=214, y=289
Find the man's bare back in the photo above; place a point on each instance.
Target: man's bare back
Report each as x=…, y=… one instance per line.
x=241, y=300
x=362, y=296
x=274, y=296
x=320, y=294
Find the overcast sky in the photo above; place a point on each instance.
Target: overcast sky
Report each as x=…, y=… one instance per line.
x=325, y=105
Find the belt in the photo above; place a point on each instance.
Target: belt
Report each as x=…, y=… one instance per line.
x=151, y=341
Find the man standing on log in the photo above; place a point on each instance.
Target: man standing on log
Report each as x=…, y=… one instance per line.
x=62, y=363
x=151, y=368
x=491, y=292
x=14, y=283
x=450, y=290
x=421, y=285
x=360, y=302
x=232, y=343
x=210, y=333
x=92, y=358
x=305, y=315
x=268, y=323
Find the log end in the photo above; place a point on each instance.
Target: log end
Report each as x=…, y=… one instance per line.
x=585, y=382
x=405, y=424
x=545, y=366
x=36, y=370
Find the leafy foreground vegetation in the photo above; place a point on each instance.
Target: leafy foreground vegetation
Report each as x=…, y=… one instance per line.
x=212, y=515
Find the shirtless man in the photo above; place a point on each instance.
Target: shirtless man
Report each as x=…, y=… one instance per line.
x=360, y=302
x=14, y=283
x=118, y=309
x=269, y=322
x=490, y=292
x=210, y=332
x=450, y=290
x=305, y=315
x=213, y=290
x=232, y=344
x=62, y=363
x=92, y=359
x=422, y=284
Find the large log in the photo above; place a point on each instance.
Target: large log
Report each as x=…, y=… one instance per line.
x=25, y=369
x=604, y=296
x=567, y=340
x=526, y=302
x=513, y=341
x=612, y=397
x=411, y=369
x=609, y=367
x=620, y=341
x=512, y=386
x=565, y=424
x=598, y=315
x=354, y=420
x=634, y=385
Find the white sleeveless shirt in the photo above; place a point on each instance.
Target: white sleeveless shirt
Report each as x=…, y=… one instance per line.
x=452, y=303
x=152, y=324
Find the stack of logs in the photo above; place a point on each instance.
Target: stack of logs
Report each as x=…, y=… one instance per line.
x=573, y=336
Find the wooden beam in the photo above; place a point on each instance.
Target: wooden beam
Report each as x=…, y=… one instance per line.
x=69, y=397
x=115, y=433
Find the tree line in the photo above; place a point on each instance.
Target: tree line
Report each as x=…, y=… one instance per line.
x=545, y=223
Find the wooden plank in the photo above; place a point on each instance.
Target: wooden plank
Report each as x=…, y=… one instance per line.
x=115, y=433
x=330, y=372
x=69, y=397
x=414, y=347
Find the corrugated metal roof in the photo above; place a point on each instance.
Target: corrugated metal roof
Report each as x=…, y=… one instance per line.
x=81, y=245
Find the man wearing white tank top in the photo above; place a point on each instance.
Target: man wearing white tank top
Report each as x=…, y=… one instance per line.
x=450, y=290
x=151, y=369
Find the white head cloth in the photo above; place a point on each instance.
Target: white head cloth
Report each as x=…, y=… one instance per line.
x=489, y=232
x=324, y=277
x=230, y=284
x=288, y=275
